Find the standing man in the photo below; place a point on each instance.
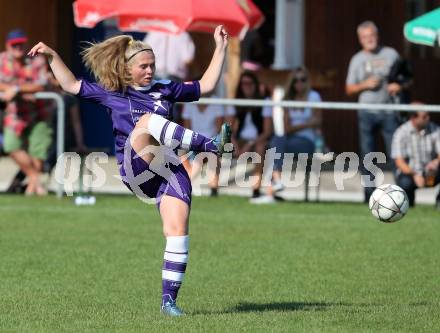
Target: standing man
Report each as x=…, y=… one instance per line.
x=27, y=135
x=367, y=78
x=416, y=152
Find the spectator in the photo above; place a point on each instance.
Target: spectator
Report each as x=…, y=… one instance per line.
x=73, y=135
x=416, y=153
x=252, y=126
x=301, y=127
x=207, y=120
x=174, y=52
x=367, y=77
x=27, y=134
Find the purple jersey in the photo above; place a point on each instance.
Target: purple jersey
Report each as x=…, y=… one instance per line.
x=126, y=108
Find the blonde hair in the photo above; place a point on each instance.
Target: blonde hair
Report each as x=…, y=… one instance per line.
x=109, y=60
x=291, y=93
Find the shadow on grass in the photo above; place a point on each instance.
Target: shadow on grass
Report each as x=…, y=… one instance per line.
x=276, y=306
x=281, y=306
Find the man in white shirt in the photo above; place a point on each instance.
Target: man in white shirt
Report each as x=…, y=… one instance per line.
x=174, y=52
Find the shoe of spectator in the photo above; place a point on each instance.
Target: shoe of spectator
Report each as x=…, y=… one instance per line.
x=16, y=187
x=262, y=200
x=214, y=192
x=277, y=186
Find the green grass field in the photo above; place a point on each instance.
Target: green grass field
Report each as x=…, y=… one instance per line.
x=292, y=267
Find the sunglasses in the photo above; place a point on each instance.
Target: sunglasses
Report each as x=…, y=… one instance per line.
x=18, y=46
x=300, y=79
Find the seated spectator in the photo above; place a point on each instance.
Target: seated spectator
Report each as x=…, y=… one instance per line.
x=251, y=126
x=207, y=120
x=415, y=149
x=27, y=135
x=301, y=127
x=73, y=134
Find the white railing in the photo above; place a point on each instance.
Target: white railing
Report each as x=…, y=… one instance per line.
x=277, y=104
x=320, y=105
x=245, y=102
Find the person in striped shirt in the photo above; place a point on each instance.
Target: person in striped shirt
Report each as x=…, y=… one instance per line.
x=415, y=149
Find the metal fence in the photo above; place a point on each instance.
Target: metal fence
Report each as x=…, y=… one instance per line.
x=277, y=104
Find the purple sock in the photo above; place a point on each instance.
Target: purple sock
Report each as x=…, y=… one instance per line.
x=174, y=266
x=174, y=136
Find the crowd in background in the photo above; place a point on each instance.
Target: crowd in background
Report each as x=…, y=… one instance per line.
x=376, y=74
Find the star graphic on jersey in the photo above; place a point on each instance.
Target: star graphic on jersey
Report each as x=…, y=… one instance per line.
x=158, y=103
x=155, y=95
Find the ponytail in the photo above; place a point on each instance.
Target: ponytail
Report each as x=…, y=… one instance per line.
x=108, y=60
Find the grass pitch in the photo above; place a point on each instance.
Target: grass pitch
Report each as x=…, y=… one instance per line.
x=291, y=267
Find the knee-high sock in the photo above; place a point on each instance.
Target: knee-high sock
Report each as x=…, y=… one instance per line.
x=174, y=266
x=172, y=135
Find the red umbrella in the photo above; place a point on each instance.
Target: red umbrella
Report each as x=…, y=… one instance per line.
x=173, y=16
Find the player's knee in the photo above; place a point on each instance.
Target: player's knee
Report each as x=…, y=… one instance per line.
x=175, y=230
x=144, y=120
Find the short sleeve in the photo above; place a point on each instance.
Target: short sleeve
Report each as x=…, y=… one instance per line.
x=93, y=92
x=437, y=141
x=230, y=111
x=394, y=55
x=217, y=110
x=188, y=110
x=314, y=96
x=351, y=75
x=184, y=91
x=267, y=111
x=397, y=144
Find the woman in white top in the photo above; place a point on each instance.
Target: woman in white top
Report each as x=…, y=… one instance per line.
x=206, y=120
x=251, y=126
x=300, y=125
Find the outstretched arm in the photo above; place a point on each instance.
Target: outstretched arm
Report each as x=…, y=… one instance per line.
x=212, y=74
x=63, y=74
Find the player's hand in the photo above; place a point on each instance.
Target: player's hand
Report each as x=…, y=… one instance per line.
x=419, y=180
x=221, y=37
x=394, y=88
x=43, y=49
x=432, y=166
x=371, y=83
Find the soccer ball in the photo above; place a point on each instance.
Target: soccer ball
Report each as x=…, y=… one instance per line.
x=389, y=203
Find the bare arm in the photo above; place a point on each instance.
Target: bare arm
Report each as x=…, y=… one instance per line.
x=403, y=166
x=23, y=88
x=314, y=122
x=186, y=123
x=218, y=123
x=212, y=74
x=356, y=88
x=267, y=130
x=62, y=73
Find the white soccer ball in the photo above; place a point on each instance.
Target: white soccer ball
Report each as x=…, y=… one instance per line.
x=389, y=203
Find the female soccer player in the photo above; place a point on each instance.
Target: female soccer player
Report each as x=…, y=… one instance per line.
x=140, y=110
